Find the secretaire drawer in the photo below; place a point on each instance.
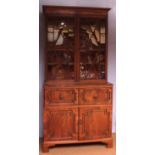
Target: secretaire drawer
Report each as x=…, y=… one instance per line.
x=56, y=96
x=95, y=96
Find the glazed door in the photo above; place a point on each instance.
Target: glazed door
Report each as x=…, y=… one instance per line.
x=95, y=123
x=60, y=46
x=60, y=124
x=92, y=48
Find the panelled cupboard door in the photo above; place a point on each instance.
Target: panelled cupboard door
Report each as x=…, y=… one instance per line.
x=95, y=123
x=60, y=124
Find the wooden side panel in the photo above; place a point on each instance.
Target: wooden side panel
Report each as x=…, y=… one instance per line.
x=95, y=123
x=95, y=96
x=60, y=124
x=61, y=96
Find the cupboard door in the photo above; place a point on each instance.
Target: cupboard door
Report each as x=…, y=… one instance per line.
x=60, y=124
x=95, y=123
x=95, y=96
x=64, y=96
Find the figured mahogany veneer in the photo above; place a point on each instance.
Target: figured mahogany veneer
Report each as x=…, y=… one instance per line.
x=77, y=96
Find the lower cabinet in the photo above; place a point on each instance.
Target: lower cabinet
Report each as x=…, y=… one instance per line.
x=80, y=122
x=77, y=123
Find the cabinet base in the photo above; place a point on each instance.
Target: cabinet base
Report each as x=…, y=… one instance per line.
x=48, y=145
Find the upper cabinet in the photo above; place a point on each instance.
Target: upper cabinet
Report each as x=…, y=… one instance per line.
x=76, y=44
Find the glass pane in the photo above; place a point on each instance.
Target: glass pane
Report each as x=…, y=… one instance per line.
x=60, y=35
x=61, y=65
x=60, y=32
x=92, y=49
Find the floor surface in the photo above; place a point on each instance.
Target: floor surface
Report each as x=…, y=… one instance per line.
x=82, y=149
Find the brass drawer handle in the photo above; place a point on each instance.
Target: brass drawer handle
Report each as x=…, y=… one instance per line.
x=80, y=122
x=61, y=97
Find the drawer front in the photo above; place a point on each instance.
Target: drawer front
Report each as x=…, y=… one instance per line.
x=95, y=96
x=61, y=96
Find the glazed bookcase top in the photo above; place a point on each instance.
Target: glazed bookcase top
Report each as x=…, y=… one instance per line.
x=76, y=44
